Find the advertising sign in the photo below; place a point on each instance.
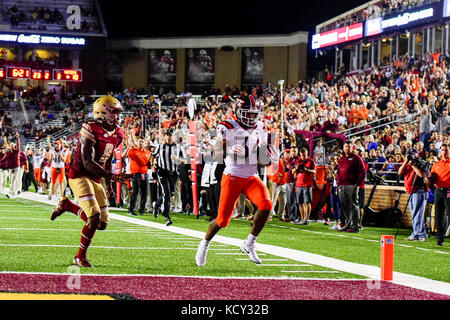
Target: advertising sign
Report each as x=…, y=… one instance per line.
x=337, y=36
x=408, y=19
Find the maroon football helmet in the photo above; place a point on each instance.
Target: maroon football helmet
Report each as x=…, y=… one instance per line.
x=247, y=111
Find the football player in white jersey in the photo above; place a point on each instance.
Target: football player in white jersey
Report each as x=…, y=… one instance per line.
x=57, y=169
x=244, y=145
x=38, y=157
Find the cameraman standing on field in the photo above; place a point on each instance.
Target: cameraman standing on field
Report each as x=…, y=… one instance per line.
x=414, y=170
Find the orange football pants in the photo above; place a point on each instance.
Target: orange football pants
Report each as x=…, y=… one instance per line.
x=231, y=187
x=37, y=174
x=57, y=177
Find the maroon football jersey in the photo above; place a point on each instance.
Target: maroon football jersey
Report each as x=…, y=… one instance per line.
x=105, y=144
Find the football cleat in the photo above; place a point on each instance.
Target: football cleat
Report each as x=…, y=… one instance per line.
x=202, y=251
x=82, y=262
x=249, y=249
x=60, y=209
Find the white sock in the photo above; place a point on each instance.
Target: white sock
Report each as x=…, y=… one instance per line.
x=207, y=241
x=251, y=238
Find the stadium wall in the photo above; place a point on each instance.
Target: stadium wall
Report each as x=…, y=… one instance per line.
x=228, y=68
x=135, y=69
x=284, y=58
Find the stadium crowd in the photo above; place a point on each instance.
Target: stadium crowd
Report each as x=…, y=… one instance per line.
x=386, y=114
x=379, y=9
x=38, y=17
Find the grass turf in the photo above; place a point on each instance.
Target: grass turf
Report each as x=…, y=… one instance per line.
x=30, y=242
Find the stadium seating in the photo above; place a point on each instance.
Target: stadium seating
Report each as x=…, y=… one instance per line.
x=91, y=22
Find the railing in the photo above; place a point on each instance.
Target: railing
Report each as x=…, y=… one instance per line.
x=57, y=135
x=385, y=174
x=410, y=118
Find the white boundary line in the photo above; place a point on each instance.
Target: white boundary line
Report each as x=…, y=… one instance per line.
x=368, y=271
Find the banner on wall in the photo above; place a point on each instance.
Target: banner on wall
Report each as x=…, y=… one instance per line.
x=253, y=65
x=113, y=70
x=337, y=36
x=400, y=21
x=162, y=66
x=200, y=66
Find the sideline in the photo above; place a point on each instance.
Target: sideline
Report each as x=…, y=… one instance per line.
x=371, y=272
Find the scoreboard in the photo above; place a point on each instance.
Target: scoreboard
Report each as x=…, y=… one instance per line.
x=72, y=75
x=18, y=73
x=67, y=75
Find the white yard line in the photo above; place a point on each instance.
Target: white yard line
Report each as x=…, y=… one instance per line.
x=38, y=219
x=307, y=271
x=99, y=247
x=283, y=265
x=246, y=259
x=371, y=272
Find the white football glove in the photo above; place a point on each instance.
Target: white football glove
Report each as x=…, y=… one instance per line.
x=273, y=154
x=238, y=150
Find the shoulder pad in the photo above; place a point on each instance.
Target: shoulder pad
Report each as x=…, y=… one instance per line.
x=227, y=124
x=120, y=132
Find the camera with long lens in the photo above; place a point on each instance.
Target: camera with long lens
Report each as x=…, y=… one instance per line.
x=301, y=167
x=418, y=162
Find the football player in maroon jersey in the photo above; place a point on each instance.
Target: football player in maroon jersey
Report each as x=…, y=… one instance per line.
x=91, y=162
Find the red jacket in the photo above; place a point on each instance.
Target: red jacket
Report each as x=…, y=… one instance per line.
x=280, y=176
x=305, y=179
x=351, y=170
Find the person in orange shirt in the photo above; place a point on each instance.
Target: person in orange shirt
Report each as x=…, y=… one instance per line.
x=361, y=114
x=279, y=189
x=440, y=178
x=139, y=164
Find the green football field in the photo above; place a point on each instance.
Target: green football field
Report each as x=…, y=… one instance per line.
x=30, y=242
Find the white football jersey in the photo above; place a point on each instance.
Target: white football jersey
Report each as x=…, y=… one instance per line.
x=59, y=157
x=37, y=160
x=245, y=166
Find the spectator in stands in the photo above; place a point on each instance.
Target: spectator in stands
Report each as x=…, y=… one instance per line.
x=443, y=121
x=425, y=126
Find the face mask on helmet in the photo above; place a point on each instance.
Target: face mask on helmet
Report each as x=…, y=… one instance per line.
x=247, y=112
x=108, y=109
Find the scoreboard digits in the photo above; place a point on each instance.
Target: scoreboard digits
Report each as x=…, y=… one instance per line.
x=41, y=75
x=67, y=75
x=46, y=75
x=18, y=73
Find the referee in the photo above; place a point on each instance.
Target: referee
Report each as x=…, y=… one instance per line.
x=167, y=158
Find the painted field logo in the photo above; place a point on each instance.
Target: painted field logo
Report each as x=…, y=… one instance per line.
x=74, y=280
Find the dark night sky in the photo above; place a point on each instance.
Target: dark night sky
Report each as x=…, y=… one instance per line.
x=165, y=18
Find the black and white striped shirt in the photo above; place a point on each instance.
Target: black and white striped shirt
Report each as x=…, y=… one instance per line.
x=164, y=154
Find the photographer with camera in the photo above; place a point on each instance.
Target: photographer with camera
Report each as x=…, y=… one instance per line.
x=440, y=178
x=414, y=169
